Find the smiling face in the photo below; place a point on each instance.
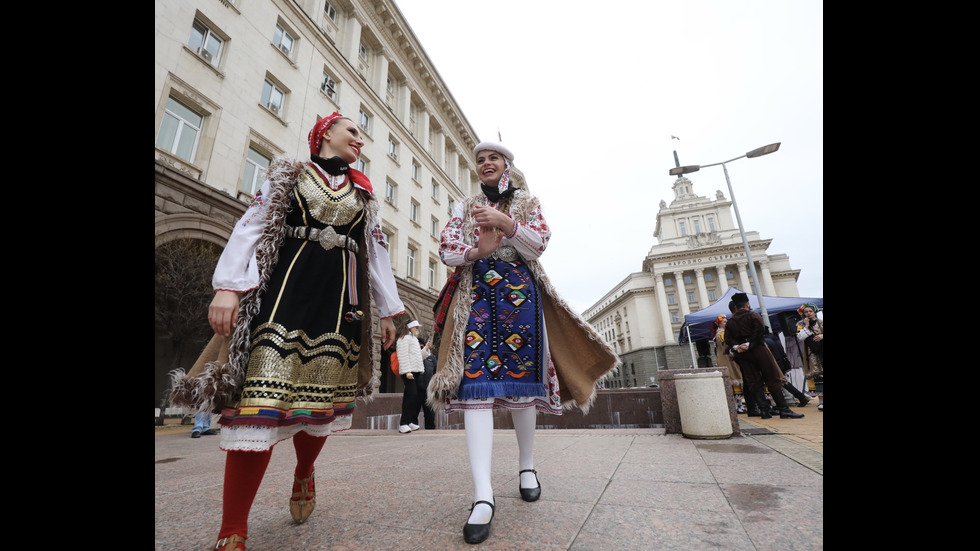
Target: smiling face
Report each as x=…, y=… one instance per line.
x=490, y=166
x=342, y=139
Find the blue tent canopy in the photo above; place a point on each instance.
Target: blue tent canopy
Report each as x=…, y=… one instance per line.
x=699, y=322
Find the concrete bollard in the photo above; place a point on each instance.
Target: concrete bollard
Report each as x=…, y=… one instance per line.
x=703, y=405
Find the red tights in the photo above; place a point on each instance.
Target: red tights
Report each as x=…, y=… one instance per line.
x=244, y=472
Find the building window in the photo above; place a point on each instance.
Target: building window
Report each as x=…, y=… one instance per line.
x=697, y=226
x=328, y=85
x=671, y=300
x=708, y=276
x=390, y=192
x=674, y=317
x=331, y=13
x=410, y=268
x=362, y=51
x=205, y=42
x=414, y=212
x=283, y=40
x=687, y=279
x=180, y=130
x=711, y=224
x=272, y=96
x=390, y=92
x=435, y=191
x=432, y=274
x=434, y=227
x=416, y=170
x=364, y=121
x=690, y=296
x=669, y=281
x=362, y=164
x=730, y=274
x=451, y=206
x=254, y=174
x=392, y=148
x=683, y=228
x=712, y=295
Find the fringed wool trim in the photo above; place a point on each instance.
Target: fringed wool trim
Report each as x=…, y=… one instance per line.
x=219, y=381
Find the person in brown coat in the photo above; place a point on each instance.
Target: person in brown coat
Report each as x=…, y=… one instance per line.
x=744, y=334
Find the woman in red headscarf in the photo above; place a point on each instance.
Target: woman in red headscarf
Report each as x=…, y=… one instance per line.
x=292, y=320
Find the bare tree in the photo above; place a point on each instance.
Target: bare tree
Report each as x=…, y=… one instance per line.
x=182, y=294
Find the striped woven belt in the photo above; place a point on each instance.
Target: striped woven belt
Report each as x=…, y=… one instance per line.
x=327, y=237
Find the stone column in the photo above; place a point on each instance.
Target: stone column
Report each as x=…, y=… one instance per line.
x=664, y=309
x=682, y=293
x=767, y=284
x=702, y=291
x=743, y=276
x=380, y=84
x=352, y=38
x=722, y=278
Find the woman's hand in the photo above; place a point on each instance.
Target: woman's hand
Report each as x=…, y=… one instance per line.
x=818, y=338
x=223, y=312
x=387, y=333
x=489, y=216
x=488, y=242
x=409, y=376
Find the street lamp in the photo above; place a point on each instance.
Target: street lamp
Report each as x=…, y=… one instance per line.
x=757, y=152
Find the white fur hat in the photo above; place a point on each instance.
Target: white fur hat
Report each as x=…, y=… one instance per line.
x=494, y=146
x=414, y=323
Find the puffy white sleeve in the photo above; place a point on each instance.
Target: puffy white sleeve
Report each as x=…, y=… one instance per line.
x=237, y=269
x=530, y=239
x=384, y=289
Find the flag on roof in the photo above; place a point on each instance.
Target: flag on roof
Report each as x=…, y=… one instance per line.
x=673, y=137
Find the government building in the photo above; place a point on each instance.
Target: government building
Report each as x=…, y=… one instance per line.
x=699, y=254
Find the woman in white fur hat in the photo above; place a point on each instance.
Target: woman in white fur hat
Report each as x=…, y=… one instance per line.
x=509, y=340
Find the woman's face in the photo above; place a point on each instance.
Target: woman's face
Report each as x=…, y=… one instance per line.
x=809, y=313
x=342, y=139
x=490, y=166
x=723, y=323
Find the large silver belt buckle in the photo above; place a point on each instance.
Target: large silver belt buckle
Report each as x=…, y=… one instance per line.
x=329, y=239
x=507, y=253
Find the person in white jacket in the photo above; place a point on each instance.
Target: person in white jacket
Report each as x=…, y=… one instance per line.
x=411, y=354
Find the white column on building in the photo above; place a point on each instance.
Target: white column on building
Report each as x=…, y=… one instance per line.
x=423, y=123
x=664, y=309
x=404, y=109
x=722, y=274
x=352, y=38
x=702, y=290
x=770, y=287
x=682, y=293
x=380, y=83
x=743, y=276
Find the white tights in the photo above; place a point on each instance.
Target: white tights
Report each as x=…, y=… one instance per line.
x=478, y=425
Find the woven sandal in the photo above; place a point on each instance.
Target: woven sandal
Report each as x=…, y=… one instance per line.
x=302, y=502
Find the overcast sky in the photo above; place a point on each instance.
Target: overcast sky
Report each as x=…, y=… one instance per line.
x=588, y=94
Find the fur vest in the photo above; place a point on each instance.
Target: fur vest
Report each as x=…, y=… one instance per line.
x=219, y=372
x=580, y=355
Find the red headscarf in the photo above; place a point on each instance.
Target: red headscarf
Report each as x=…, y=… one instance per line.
x=319, y=129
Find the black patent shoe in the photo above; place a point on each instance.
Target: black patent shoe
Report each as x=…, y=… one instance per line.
x=804, y=400
x=755, y=413
x=476, y=533
x=766, y=414
x=789, y=414
x=530, y=494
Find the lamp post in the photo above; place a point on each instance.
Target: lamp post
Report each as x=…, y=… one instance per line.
x=757, y=152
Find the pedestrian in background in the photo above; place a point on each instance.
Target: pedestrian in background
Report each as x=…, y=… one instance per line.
x=745, y=335
x=809, y=331
x=725, y=359
x=430, y=353
x=410, y=369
